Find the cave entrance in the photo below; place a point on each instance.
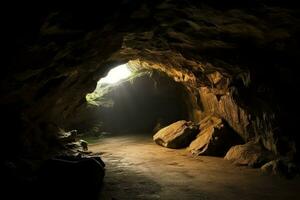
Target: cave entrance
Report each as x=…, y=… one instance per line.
x=130, y=100
x=115, y=75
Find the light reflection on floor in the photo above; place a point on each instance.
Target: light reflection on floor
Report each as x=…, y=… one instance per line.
x=139, y=169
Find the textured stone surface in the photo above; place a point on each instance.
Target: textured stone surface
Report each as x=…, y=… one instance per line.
x=153, y=172
x=226, y=107
x=236, y=60
x=176, y=135
x=214, y=139
x=280, y=166
x=252, y=154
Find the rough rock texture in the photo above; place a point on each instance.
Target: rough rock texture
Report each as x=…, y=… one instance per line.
x=238, y=62
x=252, y=154
x=214, y=139
x=225, y=107
x=280, y=166
x=177, y=135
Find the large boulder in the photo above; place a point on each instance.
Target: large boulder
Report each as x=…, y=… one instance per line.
x=215, y=138
x=253, y=154
x=176, y=135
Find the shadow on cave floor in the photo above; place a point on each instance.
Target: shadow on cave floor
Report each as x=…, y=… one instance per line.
x=139, y=169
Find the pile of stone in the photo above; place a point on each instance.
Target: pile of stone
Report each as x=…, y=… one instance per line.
x=212, y=136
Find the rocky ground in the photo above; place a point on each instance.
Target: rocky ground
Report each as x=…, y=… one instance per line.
x=137, y=168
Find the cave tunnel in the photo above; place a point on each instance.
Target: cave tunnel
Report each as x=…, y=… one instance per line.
x=136, y=99
x=142, y=101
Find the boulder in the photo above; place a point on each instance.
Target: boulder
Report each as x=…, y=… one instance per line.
x=215, y=138
x=253, y=154
x=176, y=135
x=281, y=167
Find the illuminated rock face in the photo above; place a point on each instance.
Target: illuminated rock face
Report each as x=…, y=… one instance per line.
x=177, y=135
x=144, y=103
x=252, y=154
x=214, y=139
x=212, y=136
x=235, y=62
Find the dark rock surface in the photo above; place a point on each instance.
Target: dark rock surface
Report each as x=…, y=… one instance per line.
x=71, y=178
x=61, y=177
x=282, y=167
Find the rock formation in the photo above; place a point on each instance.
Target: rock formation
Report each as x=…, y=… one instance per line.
x=252, y=154
x=236, y=61
x=177, y=135
x=281, y=166
x=214, y=139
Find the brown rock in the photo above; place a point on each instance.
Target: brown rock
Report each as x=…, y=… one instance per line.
x=214, y=139
x=252, y=154
x=223, y=105
x=281, y=167
x=176, y=135
x=204, y=48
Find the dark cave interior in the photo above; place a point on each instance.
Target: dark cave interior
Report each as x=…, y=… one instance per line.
x=141, y=104
x=209, y=78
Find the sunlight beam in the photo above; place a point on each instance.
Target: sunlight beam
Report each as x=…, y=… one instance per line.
x=116, y=74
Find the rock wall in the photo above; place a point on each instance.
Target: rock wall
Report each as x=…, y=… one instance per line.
x=236, y=61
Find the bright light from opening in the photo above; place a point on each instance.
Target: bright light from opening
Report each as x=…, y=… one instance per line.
x=116, y=74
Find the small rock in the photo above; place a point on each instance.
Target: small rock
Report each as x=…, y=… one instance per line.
x=176, y=135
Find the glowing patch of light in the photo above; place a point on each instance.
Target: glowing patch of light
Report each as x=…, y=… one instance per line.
x=116, y=74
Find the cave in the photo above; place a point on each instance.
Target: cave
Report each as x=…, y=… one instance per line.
x=132, y=99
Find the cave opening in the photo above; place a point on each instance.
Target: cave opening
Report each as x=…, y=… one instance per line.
x=133, y=100
x=204, y=92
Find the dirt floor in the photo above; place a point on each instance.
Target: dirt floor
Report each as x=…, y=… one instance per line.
x=137, y=168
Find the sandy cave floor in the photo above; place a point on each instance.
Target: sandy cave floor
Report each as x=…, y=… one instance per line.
x=137, y=168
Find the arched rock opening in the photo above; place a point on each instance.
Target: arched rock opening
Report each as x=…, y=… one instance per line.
x=144, y=102
x=236, y=63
